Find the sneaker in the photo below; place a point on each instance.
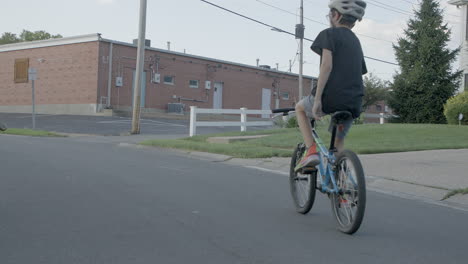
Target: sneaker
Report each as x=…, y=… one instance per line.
x=310, y=159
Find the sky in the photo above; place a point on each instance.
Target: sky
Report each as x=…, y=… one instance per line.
x=203, y=30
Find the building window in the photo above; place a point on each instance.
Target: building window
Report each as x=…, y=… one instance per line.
x=285, y=96
x=193, y=83
x=169, y=80
x=378, y=108
x=21, y=70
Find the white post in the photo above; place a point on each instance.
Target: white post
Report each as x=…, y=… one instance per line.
x=381, y=119
x=32, y=75
x=33, y=106
x=109, y=78
x=243, y=119
x=193, y=120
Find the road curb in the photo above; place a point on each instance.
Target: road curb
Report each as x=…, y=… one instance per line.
x=406, y=190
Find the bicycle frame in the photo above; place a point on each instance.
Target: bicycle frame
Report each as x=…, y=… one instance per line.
x=327, y=160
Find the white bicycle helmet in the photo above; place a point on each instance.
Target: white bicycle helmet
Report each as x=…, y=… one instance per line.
x=355, y=8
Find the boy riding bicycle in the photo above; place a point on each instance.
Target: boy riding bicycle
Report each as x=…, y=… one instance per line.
x=340, y=85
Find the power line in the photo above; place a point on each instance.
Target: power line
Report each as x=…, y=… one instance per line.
x=281, y=30
x=393, y=10
x=286, y=11
x=321, y=23
x=389, y=6
x=295, y=57
x=408, y=2
x=399, y=10
x=417, y=4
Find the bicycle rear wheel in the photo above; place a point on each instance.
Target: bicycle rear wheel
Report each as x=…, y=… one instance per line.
x=349, y=204
x=302, y=186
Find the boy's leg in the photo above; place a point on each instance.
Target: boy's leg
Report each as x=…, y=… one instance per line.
x=303, y=111
x=304, y=124
x=341, y=132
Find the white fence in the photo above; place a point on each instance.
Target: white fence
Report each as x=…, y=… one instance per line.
x=243, y=112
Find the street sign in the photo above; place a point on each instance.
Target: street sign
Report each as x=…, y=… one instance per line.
x=32, y=74
x=460, y=117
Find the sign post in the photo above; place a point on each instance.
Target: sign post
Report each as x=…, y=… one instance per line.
x=32, y=74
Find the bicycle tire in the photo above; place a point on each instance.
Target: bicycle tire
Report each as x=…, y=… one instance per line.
x=304, y=202
x=346, y=161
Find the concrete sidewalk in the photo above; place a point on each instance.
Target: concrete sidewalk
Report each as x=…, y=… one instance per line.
x=420, y=175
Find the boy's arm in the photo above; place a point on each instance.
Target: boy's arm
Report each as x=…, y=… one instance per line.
x=325, y=70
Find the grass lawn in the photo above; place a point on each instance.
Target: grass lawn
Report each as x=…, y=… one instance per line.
x=29, y=132
x=363, y=139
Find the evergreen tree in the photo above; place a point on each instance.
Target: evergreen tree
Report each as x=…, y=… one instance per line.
x=425, y=80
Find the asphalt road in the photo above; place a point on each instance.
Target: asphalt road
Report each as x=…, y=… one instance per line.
x=66, y=201
x=108, y=125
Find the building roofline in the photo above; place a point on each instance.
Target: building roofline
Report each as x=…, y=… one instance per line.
x=50, y=42
x=205, y=58
x=97, y=37
x=458, y=2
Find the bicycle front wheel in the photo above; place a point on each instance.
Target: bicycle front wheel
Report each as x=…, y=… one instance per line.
x=349, y=204
x=302, y=186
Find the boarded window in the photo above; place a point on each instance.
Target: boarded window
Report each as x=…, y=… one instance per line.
x=21, y=70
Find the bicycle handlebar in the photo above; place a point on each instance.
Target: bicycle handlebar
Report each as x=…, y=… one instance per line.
x=285, y=111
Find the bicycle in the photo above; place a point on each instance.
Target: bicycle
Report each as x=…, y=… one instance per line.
x=339, y=176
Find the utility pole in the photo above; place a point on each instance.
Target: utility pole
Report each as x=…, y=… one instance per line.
x=300, y=35
x=139, y=69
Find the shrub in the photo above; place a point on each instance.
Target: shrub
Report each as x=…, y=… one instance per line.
x=456, y=105
x=292, y=122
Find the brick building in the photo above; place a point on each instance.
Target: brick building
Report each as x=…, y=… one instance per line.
x=85, y=74
x=373, y=113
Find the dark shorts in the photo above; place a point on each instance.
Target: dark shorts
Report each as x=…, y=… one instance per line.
x=342, y=129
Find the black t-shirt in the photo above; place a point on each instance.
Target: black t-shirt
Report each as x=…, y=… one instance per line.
x=344, y=89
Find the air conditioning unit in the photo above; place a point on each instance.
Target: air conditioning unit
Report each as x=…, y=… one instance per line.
x=156, y=78
x=119, y=81
x=176, y=108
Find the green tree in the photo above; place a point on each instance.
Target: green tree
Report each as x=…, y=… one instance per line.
x=455, y=106
x=26, y=35
x=426, y=79
x=8, y=38
x=374, y=90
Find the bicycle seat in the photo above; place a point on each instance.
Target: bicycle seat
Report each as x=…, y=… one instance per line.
x=340, y=116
